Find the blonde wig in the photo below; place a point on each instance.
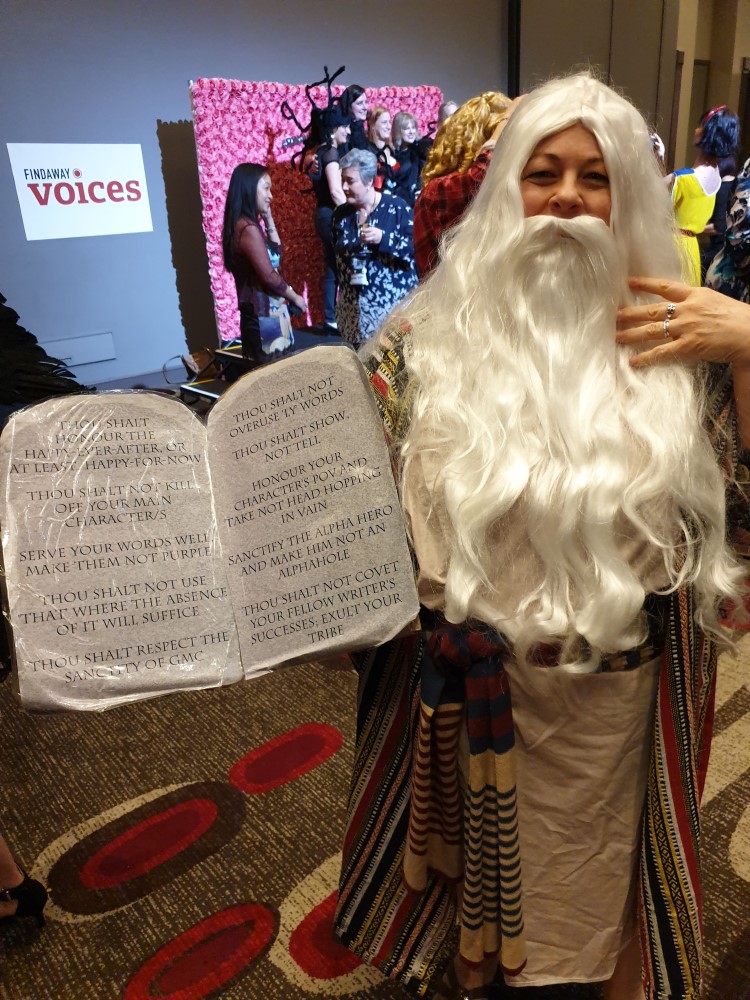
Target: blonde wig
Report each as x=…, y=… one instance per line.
x=527, y=412
x=463, y=134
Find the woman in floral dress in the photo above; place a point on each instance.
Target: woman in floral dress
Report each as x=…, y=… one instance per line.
x=372, y=236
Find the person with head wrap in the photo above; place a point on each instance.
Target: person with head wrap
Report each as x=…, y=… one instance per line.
x=455, y=167
x=529, y=767
x=694, y=189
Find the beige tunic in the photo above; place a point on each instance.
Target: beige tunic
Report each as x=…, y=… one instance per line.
x=582, y=744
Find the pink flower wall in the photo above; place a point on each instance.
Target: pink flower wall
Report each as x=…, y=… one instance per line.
x=238, y=122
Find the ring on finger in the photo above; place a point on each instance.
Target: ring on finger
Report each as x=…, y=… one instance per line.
x=665, y=326
x=671, y=309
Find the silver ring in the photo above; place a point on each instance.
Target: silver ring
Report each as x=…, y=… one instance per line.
x=665, y=326
x=671, y=309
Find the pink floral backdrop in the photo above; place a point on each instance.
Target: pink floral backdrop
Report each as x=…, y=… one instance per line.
x=237, y=122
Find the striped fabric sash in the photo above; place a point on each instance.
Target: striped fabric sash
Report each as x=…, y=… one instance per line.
x=469, y=835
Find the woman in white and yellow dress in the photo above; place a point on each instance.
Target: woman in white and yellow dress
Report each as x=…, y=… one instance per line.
x=694, y=188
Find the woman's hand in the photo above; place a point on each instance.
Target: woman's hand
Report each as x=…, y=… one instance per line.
x=371, y=235
x=704, y=325
x=269, y=223
x=298, y=301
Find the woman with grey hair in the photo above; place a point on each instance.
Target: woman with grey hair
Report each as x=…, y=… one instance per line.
x=372, y=236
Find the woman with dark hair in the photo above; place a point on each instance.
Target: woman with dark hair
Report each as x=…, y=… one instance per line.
x=333, y=127
x=694, y=189
x=253, y=254
x=353, y=103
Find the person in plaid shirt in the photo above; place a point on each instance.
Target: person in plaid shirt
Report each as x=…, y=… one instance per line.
x=454, y=170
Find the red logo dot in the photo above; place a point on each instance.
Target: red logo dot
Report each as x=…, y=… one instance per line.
x=77, y=172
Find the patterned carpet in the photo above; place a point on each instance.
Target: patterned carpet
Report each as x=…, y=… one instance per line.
x=726, y=826
x=191, y=845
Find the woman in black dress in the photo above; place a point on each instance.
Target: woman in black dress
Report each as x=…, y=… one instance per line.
x=334, y=128
x=410, y=150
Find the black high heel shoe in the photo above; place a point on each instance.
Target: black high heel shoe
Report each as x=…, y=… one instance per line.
x=31, y=897
x=450, y=989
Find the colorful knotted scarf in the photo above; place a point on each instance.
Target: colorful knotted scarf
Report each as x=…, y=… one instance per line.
x=468, y=834
x=410, y=936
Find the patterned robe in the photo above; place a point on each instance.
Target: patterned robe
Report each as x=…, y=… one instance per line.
x=730, y=271
x=411, y=936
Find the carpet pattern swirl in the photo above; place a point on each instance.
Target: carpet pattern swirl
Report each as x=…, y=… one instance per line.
x=192, y=845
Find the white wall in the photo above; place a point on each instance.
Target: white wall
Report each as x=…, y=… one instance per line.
x=632, y=42
x=83, y=71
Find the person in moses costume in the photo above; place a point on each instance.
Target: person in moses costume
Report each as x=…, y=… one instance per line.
x=569, y=442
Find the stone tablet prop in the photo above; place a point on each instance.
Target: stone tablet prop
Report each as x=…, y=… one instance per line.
x=145, y=554
x=116, y=591
x=311, y=529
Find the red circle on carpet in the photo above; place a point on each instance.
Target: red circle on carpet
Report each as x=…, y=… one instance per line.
x=206, y=956
x=314, y=947
x=285, y=758
x=123, y=866
x=149, y=844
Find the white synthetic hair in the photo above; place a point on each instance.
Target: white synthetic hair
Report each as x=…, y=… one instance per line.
x=642, y=214
x=535, y=409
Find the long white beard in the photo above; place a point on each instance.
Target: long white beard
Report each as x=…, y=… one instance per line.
x=556, y=432
x=558, y=304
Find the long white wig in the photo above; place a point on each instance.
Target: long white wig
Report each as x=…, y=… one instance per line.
x=528, y=404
